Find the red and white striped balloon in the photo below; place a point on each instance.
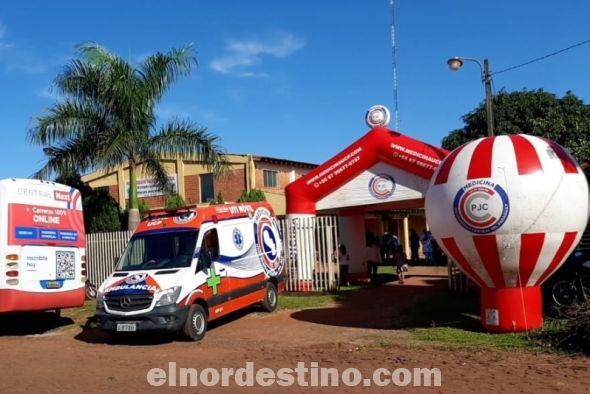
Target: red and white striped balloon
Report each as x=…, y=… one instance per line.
x=508, y=210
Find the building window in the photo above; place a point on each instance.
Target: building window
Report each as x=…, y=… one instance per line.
x=207, y=193
x=271, y=178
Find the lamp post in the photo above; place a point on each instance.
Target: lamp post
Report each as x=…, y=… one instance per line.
x=455, y=63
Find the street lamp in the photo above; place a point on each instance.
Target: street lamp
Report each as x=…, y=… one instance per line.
x=455, y=63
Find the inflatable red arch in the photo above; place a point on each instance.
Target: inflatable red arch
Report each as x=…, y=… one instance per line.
x=379, y=145
x=382, y=171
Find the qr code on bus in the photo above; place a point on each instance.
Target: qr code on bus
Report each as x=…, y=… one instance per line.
x=65, y=264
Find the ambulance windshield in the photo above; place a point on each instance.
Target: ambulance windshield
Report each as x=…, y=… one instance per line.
x=159, y=250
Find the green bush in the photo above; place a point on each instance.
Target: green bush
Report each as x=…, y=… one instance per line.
x=101, y=212
x=570, y=332
x=220, y=199
x=175, y=201
x=252, y=196
x=143, y=207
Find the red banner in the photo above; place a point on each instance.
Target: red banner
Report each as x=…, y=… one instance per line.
x=34, y=224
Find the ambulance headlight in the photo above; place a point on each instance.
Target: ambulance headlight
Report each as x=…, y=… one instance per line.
x=378, y=116
x=99, y=299
x=168, y=297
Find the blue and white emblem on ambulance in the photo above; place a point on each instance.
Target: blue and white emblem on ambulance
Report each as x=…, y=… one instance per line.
x=268, y=242
x=238, y=238
x=136, y=278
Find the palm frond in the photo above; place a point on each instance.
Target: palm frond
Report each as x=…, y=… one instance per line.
x=182, y=138
x=71, y=156
x=80, y=80
x=95, y=53
x=159, y=71
x=66, y=120
x=155, y=169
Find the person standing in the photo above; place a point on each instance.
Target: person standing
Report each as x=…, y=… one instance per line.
x=401, y=264
x=373, y=258
x=343, y=260
x=426, y=240
x=414, y=245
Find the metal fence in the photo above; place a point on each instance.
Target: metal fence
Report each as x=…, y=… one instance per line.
x=315, y=235
x=102, y=249
x=311, y=253
x=458, y=281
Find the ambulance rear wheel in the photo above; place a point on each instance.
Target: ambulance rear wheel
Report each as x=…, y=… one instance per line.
x=195, y=326
x=271, y=298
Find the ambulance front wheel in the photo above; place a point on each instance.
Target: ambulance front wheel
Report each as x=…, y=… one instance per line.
x=195, y=326
x=271, y=298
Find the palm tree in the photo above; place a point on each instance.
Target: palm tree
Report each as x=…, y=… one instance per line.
x=106, y=118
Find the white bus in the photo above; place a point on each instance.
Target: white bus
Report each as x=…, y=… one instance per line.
x=42, y=246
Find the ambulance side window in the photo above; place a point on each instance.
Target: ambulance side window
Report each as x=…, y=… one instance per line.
x=209, y=251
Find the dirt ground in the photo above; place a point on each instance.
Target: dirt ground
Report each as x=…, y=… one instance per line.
x=363, y=333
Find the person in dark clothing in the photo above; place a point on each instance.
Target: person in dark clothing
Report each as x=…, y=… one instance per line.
x=414, y=245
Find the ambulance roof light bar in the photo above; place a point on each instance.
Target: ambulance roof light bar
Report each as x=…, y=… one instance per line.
x=170, y=211
x=378, y=116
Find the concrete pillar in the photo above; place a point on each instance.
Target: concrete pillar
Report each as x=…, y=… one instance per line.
x=406, y=237
x=250, y=173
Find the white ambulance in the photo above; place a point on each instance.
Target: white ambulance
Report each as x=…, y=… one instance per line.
x=42, y=246
x=187, y=266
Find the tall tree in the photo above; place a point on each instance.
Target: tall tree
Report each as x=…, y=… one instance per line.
x=106, y=118
x=565, y=120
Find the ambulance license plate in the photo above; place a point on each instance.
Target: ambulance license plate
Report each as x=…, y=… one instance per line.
x=126, y=327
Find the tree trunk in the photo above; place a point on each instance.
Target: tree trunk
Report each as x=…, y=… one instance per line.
x=134, y=216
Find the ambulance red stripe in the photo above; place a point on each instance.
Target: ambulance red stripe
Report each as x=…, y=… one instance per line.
x=459, y=258
x=481, y=160
x=527, y=160
x=530, y=250
x=487, y=249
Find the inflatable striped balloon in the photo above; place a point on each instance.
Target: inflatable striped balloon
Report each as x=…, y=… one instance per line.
x=508, y=210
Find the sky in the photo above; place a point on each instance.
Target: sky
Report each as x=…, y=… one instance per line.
x=294, y=79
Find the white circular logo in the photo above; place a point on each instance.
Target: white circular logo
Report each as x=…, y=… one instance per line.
x=136, y=278
x=382, y=186
x=269, y=244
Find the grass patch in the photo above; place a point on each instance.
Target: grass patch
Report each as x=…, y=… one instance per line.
x=85, y=311
x=290, y=301
x=453, y=320
x=456, y=337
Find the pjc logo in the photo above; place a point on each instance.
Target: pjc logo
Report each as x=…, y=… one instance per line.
x=382, y=186
x=481, y=206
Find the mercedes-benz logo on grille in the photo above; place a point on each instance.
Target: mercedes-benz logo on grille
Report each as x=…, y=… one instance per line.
x=125, y=302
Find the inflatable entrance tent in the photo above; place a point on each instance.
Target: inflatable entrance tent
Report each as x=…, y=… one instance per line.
x=382, y=171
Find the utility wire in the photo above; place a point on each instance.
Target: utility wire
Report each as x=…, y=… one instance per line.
x=542, y=57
